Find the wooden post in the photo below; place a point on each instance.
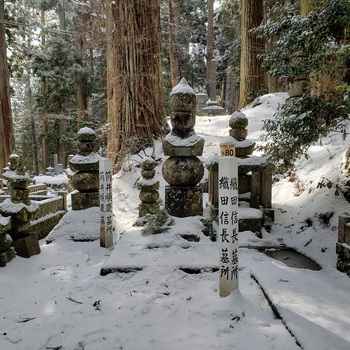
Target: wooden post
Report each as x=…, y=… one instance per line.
x=106, y=205
x=228, y=221
x=255, y=189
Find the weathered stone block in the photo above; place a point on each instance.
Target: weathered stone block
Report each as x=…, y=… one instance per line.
x=239, y=134
x=342, y=221
x=85, y=162
x=148, y=208
x=184, y=201
x=86, y=181
x=244, y=148
x=81, y=201
x=179, y=171
x=5, y=242
x=27, y=246
x=188, y=147
x=250, y=224
x=148, y=196
x=347, y=233
x=7, y=257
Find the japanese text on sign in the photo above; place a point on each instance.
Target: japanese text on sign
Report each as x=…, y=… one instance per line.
x=106, y=207
x=228, y=224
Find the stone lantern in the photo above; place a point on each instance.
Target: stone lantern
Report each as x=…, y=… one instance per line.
x=183, y=170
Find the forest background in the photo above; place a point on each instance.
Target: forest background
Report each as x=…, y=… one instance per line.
x=110, y=65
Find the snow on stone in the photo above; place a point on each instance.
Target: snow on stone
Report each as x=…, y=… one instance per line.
x=8, y=206
x=182, y=87
x=86, y=130
x=187, y=141
x=147, y=182
x=4, y=220
x=90, y=158
x=227, y=139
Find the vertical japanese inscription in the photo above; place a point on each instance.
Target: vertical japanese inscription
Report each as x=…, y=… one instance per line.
x=228, y=224
x=106, y=207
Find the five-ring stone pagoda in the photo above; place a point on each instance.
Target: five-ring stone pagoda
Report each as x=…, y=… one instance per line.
x=183, y=170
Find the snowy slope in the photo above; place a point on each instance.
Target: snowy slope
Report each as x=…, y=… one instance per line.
x=59, y=300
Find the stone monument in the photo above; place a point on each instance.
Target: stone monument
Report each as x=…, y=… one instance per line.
x=212, y=106
x=183, y=170
x=85, y=164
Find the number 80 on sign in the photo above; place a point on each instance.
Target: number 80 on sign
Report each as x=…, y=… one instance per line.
x=228, y=150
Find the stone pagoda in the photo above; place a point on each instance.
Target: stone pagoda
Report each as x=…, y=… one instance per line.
x=183, y=170
x=148, y=187
x=86, y=167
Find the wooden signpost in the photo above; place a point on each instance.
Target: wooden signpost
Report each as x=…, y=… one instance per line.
x=228, y=220
x=106, y=205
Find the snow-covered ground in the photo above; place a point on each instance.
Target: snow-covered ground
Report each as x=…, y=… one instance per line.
x=59, y=300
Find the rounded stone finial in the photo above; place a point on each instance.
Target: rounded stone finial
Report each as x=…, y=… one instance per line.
x=148, y=163
x=238, y=120
x=14, y=160
x=86, y=140
x=182, y=97
x=86, y=134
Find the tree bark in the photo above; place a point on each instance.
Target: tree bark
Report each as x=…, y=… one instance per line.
x=6, y=127
x=62, y=150
x=306, y=6
x=252, y=80
x=174, y=63
x=135, y=103
x=82, y=104
x=210, y=42
x=46, y=160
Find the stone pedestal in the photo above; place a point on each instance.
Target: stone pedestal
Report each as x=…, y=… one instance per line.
x=85, y=200
x=184, y=201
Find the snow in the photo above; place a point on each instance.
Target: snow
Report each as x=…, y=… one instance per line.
x=86, y=131
x=227, y=139
x=59, y=300
x=59, y=179
x=82, y=159
x=8, y=206
x=183, y=142
x=183, y=88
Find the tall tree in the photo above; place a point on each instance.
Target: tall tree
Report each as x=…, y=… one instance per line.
x=135, y=104
x=6, y=128
x=174, y=17
x=252, y=80
x=210, y=41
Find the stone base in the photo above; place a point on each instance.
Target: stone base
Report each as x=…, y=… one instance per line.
x=148, y=208
x=85, y=200
x=343, y=261
x=250, y=224
x=7, y=257
x=184, y=201
x=27, y=246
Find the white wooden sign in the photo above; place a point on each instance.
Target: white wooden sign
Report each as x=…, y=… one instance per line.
x=228, y=224
x=106, y=204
